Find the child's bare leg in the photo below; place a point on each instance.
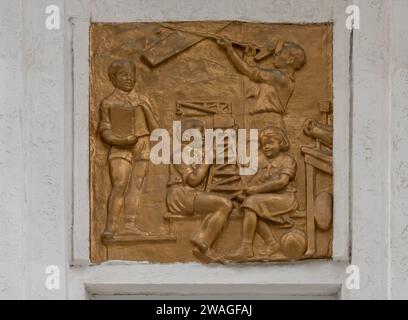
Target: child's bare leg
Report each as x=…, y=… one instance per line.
x=248, y=233
x=265, y=232
x=249, y=227
x=119, y=171
x=216, y=210
x=132, y=198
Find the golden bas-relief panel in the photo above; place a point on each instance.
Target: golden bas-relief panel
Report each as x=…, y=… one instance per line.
x=211, y=142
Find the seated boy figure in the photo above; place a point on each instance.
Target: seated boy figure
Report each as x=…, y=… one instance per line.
x=129, y=155
x=270, y=195
x=186, y=196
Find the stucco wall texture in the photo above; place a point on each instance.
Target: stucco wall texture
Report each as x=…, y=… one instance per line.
x=39, y=129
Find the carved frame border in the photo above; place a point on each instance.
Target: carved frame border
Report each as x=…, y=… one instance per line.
x=79, y=15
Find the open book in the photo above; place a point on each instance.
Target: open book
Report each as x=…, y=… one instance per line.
x=123, y=121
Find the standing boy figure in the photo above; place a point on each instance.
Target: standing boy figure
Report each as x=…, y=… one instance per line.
x=126, y=120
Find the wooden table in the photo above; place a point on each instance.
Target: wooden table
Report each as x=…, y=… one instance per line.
x=315, y=160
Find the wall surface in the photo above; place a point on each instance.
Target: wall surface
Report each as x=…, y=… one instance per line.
x=32, y=219
x=43, y=134
x=12, y=168
x=398, y=224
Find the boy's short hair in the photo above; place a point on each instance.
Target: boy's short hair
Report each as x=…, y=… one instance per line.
x=297, y=52
x=275, y=132
x=190, y=123
x=116, y=65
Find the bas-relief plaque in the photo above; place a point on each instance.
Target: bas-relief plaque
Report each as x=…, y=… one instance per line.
x=276, y=78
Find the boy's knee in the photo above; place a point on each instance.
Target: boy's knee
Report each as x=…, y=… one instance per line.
x=249, y=202
x=226, y=205
x=119, y=189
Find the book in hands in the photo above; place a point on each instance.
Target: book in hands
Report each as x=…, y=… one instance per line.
x=123, y=121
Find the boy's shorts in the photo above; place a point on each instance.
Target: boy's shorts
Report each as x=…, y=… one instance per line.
x=137, y=152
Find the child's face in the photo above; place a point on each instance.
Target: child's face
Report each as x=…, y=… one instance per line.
x=271, y=146
x=283, y=58
x=125, y=79
x=200, y=129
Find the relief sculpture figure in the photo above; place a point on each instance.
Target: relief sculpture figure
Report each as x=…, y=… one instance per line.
x=186, y=196
x=211, y=142
x=270, y=195
x=276, y=85
x=126, y=120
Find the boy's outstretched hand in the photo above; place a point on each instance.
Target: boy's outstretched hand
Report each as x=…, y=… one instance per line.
x=224, y=42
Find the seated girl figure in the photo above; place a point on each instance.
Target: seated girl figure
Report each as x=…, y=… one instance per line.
x=270, y=195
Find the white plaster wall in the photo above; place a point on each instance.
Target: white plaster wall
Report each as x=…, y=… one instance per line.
x=40, y=130
x=12, y=132
x=45, y=238
x=32, y=217
x=371, y=112
x=398, y=228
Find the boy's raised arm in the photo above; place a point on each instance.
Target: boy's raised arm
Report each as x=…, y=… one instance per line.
x=195, y=178
x=239, y=64
x=255, y=73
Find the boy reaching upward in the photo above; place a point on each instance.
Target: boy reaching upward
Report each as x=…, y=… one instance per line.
x=276, y=85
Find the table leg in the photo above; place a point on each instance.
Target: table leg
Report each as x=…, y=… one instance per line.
x=310, y=221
